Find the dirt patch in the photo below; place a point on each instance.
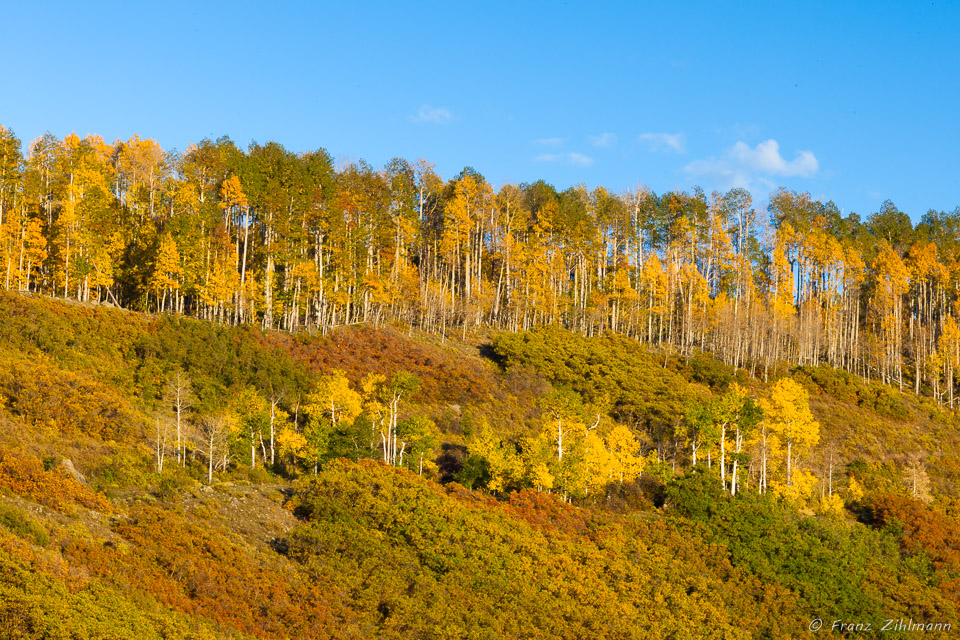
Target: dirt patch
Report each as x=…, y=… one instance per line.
x=255, y=513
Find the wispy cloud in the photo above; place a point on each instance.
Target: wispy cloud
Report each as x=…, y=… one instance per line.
x=603, y=140
x=572, y=157
x=433, y=115
x=579, y=158
x=550, y=142
x=744, y=166
x=669, y=142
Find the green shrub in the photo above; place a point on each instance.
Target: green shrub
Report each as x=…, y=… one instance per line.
x=169, y=484
x=608, y=371
x=845, y=386
x=838, y=569
x=883, y=400
x=244, y=473
x=706, y=369
x=23, y=525
x=836, y=383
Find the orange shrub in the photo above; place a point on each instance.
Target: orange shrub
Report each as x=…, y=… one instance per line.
x=444, y=375
x=197, y=570
x=24, y=474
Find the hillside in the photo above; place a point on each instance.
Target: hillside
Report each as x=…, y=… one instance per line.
x=468, y=526
x=297, y=241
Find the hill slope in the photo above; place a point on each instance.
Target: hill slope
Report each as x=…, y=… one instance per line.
x=106, y=546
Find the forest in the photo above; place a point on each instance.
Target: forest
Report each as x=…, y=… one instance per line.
x=251, y=394
x=292, y=241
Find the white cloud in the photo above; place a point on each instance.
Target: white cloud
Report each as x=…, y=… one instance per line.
x=565, y=158
x=766, y=158
x=603, y=140
x=743, y=166
x=433, y=115
x=549, y=157
x=579, y=158
x=670, y=142
x=550, y=142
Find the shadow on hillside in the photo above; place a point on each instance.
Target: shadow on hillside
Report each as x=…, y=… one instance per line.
x=450, y=462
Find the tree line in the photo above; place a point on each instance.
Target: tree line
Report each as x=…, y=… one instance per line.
x=290, y=241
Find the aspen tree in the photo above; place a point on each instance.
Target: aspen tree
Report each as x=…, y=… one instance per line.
x=331, y=402
x=789, y=417
x=891, y=284
x=562, y=419
x=236, y=212
x=624, y=450
x=699, y=428
x=213, y=433
x=166, y=271
x=179, y=396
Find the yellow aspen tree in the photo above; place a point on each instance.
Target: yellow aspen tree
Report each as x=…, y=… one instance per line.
x=744, y=415
x=66, y=224
x=623, y=293
x=292, y=445
x=331, y=402
x=234, y=203
x=892, y=280
x=782, y=297
x=334, y=399
x=253, y=413
x=927, y=276
x=8, y=243
x=597, y=463
x=103, y=261
x=949, y=348
x=562, y=420
x=422, y=436
x=34, y=252
x=789, y=417
x=382, y=399
x=166, y=271
x=783, y=285
x=724, y=416
x=721, y=258
x=11, y=158
x=536, y=454
x=933, y=369
x=512, y=221
x=83, y=173
x=374, y=405
x=624, y=449
x=766, y=445
x=460, y=211
x=854, y=269
x=504, y=465
x=140, y=169
x=654, y=285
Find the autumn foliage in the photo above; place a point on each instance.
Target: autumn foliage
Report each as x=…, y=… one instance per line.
x=426, y=563
x=572, y=506
x=198, y=570
x=282, y=240
x=25, y=474
x=359, y=351
x=923, y=532
x=64, y=402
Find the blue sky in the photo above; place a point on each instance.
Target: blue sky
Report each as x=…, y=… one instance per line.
x=853, y=102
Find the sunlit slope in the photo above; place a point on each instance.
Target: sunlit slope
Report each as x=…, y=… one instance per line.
x=109, y=547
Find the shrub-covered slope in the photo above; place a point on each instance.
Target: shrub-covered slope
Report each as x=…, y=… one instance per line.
x=332, y=542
